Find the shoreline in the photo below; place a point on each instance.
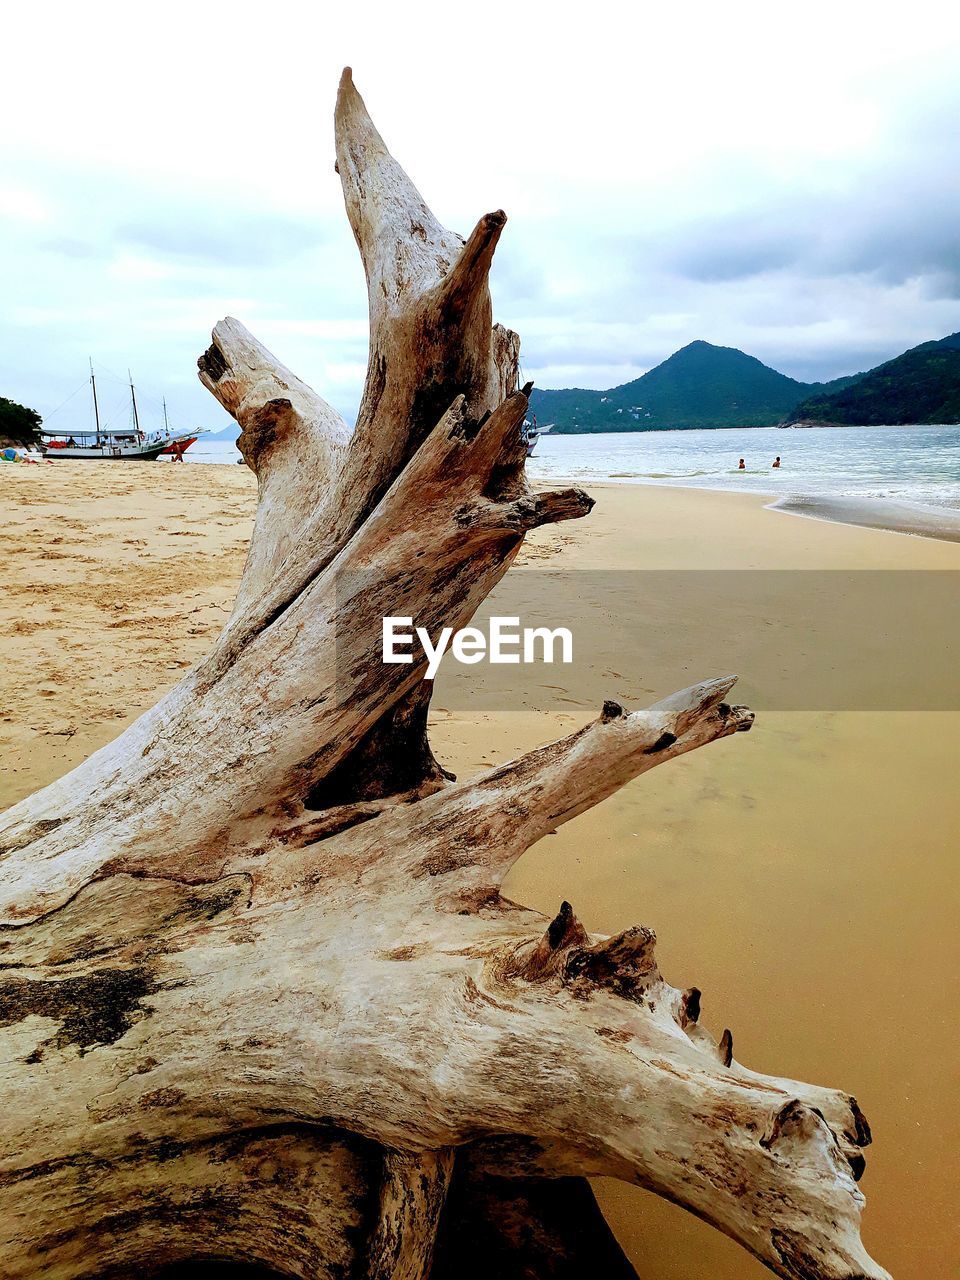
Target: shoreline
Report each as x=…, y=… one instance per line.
x=887, y=515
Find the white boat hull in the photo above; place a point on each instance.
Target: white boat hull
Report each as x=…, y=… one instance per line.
x=110, y=452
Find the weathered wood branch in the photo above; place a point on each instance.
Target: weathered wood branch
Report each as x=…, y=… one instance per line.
x=510, y=807
x=261, y=998
x=291, y=438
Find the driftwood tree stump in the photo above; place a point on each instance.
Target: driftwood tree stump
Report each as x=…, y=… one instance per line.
x=261, y=999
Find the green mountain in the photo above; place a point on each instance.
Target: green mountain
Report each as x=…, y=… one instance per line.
x=18, y=424
x=922, y=385
x=699, y=386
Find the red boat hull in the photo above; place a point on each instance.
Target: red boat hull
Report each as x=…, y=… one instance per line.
x=179, y=447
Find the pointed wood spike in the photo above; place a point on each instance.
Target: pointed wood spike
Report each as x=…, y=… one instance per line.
x=405, y=250
x=564, y=929
x=682, y=710
x=690, y=1006
x=726, y=1047
x=563, y=932
x=498, y=440
x=467, y=278
x=862, y=1128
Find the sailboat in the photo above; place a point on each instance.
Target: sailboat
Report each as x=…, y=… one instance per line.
x=131, y=445
x=179, y=444
x=531, y=433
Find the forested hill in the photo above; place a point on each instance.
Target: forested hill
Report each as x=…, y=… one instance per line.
x=921, y=386
x=699, y=386
x=18, y=424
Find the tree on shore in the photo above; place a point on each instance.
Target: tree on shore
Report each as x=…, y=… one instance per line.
x=18, y=424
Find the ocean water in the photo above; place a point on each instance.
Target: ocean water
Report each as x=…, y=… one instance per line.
x=223, y=451
x=917, y=465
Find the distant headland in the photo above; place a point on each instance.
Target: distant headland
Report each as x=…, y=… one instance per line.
x=703, y=385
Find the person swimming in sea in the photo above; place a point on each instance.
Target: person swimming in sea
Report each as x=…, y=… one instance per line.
x=742, y=466
x=776, y=462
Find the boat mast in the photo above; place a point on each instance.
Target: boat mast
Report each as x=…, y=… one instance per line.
x=133, y=400
x=166, y=425
x=96, y=407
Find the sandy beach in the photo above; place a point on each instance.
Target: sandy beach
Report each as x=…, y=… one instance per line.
x=804, y=876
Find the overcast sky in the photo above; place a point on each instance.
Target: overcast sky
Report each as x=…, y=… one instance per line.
x=784, y=179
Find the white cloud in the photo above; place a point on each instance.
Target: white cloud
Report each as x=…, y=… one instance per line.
x=20, y=204
x=778, y=179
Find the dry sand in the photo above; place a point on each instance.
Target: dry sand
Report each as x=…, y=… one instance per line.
x=804, y=876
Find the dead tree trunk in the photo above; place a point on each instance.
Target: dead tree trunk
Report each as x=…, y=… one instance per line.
x=261, y=998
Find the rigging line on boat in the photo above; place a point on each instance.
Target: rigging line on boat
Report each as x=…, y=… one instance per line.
x=120, y=409
x=152, y=402
x=147, y=398
x=117, y=417
x=111, y=373
x=111, y=416
x=83, y=385
x=123, y=407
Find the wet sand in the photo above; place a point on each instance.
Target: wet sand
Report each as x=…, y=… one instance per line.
x=804, y=875
x=878, y=513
